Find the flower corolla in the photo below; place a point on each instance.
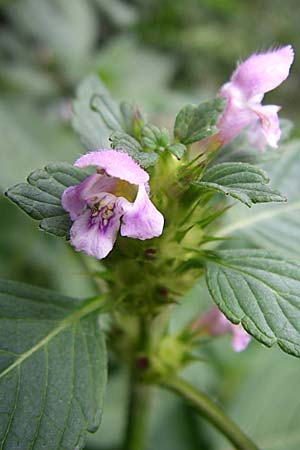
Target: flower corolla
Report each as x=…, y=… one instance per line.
x=260, y=73
x=115, y=197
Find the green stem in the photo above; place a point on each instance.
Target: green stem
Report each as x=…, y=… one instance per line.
x=139, y=396
x=138, y=411
x=206, y=408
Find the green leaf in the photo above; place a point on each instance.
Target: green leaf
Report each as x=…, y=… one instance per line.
x=122, y=141
x=155, y=138
x=95, y=114
x=41, y=196
x=194, y=123
x=273, y=227
x=52, y=369
x=242, y=181
x=260, y=290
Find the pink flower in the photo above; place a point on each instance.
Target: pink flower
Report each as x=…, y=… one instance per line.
x=244, y=93
x=215, y=324
x=113, y=198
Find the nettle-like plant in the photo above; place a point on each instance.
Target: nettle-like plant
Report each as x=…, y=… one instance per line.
x=150, y=206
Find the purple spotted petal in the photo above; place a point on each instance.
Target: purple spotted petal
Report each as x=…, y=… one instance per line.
x=264, y=71
x=142, y=220
x=95, y=234
x=75, y=198
x=116, y=164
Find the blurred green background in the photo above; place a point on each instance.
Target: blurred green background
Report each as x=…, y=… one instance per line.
x=160, y=54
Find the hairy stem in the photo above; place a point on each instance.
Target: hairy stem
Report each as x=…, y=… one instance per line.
x=206, y=408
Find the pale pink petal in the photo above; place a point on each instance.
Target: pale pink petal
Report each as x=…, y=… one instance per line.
x=116, y=164
x=240, y=338
x=264, y=71
x=142, y=220
x=90, y=235
x=269, y=123
x=235, y=116
x=72, y=202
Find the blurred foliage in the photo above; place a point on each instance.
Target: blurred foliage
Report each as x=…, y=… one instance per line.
x=163, y=54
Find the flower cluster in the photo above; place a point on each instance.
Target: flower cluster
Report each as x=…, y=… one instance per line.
x=116, y=196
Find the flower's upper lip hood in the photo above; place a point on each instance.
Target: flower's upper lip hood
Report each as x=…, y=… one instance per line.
x=116, y=164
x=263, y=72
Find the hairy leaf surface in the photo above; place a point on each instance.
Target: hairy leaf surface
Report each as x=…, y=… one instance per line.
x=242, y=181
x=196, y=122
x=41, y=196
x=260, y=290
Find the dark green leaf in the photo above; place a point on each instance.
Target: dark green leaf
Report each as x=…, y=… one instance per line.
x=124, y=142
x=95, y=114
x=242, y=181
x=52, y=369
x=260, y=290
x=194, y=123
x=41, y=196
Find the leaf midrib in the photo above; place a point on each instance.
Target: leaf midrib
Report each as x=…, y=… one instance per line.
x=76, y=316
x=245, y=273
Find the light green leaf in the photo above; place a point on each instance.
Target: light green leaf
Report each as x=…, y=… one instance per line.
x=194, y=123
x=260, y=290
x=274, y=227
x=41, y=196
x=52, y=369
x=242, y=181
x=95, y=114
x=126, y=143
